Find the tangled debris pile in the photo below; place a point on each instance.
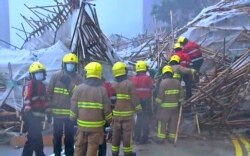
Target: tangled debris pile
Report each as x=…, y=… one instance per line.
x=223, y=99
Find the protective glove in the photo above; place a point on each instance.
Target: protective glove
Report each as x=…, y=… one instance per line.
x=181, y=101
x=193, y=72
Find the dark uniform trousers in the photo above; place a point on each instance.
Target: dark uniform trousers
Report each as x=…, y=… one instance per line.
x=142, y=122
x=87, y=143
x=167, y=123
x=197, y=64
x=33, y=125
x=122, y=130
x=188, y=85
x=66, y=126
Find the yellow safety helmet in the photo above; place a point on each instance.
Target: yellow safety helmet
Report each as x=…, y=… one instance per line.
x=93, y=69
x=36, y=67
x=140, y=66
x=119, y=69
x=181, y=39
x=177, y=45
x=70, y=58
x=175, y=58
x=166, y=68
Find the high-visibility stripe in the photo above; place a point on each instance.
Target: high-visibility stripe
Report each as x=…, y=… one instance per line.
x=196, y=59
x=115, y=148
x=108, y=117
x=38, y=97
x=171, y=135
x=61, y=111
x=90, y=124
x=193, y=51
x=123, y=113
x=26, y=102
x=91, y=105
x=39, y=114
x=138, y=107
x=142, y=89
x=72, y=114
x=61, y=91
x=127, y=149
x=246, y=144
x=171, y=92
x=168, y=105
x=122, y=96
x=237, y=147
x=159, y=134
x=177, y=76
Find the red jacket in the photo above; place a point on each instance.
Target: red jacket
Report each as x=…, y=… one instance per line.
x=143, y=85
x=34, y=94
x=193, y=50
x=185, y=59
x=110, y=90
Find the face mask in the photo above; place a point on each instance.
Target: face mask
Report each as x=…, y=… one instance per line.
x=70, y=67
x=39, y=76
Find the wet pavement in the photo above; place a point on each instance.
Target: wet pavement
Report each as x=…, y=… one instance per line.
x=185, y=147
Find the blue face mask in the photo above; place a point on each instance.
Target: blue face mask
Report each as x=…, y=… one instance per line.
x=70, y=67
x=39, y=76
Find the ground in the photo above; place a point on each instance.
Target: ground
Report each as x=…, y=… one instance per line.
x=202, y=146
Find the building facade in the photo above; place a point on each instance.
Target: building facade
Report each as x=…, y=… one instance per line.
x=4, y=23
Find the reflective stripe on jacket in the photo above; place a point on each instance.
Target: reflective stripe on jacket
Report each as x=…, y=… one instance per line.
x=127, y=102
x=179, y=70
x=193, y=50
x=34, y=94
x=143, y=85
x=60, y=89
x=90, y=106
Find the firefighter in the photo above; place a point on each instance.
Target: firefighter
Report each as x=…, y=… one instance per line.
x=143, y=88
x=168, y=103
x=184, y=57
x=184, y=61
x=90, y=107
x=125, y=106
x=112, y=97
x=193, y=50
x=60, y=91
x=35, y=103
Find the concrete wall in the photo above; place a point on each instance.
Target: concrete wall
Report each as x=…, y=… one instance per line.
x=4, y=22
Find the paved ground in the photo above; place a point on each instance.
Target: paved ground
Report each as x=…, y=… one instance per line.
x=185, y=147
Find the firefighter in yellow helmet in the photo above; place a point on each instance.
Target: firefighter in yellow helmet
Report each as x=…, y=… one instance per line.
x=91, y=108
x=193, y=50
x=125, y=106
x=35, y=103
x=167, y=100
x=143, y=89
x=60, y=90
x=180, y=71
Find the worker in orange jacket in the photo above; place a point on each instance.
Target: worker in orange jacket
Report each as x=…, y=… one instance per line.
x=35, y=104
x=125, y=106
x=143, y=88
